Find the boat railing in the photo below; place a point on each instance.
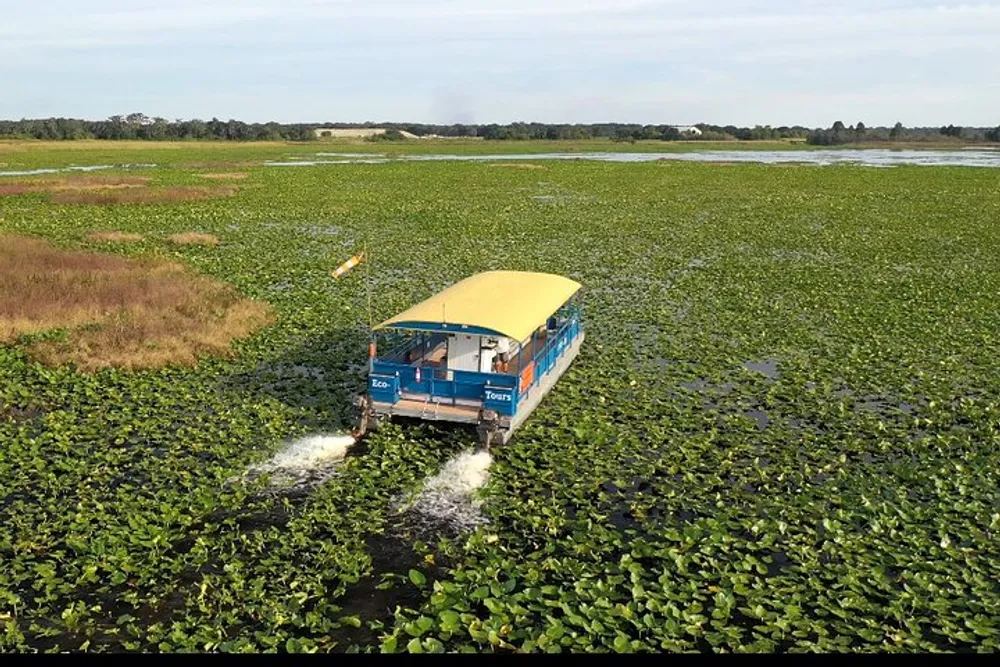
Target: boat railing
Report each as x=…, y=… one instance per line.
x=546, y=358
x=441, y=383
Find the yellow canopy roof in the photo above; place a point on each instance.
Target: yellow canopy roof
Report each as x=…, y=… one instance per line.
x=509, y=303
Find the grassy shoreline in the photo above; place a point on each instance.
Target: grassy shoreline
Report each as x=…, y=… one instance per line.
x=18, y=155
x=10, y=147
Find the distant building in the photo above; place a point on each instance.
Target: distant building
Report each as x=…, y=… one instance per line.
x=689, y=130
x=355, y=133
x=441, y=136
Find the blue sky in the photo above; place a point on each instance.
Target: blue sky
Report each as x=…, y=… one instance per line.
x=745, y=62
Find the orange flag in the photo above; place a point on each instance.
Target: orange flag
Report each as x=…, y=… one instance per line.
x=348, y=265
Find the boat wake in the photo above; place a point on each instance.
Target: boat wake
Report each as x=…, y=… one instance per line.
x=448, y=499
x=305, y=462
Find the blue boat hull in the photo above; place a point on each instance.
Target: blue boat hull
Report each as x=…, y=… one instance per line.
x=495, y=409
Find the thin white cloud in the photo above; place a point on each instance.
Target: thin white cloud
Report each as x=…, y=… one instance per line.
x=519, y=58
x=518, y=21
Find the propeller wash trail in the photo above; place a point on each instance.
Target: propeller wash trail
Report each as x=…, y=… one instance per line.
x=304, y=462
x=448, y=498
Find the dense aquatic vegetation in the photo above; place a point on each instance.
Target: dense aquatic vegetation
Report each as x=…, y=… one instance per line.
x=781, y=433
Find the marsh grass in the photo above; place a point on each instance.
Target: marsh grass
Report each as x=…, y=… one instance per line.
x=108, y=189
x=115, y=237
x=225, y=176
x=90, y=182
x=194, y=238
x=116, y=311
x=517, y=165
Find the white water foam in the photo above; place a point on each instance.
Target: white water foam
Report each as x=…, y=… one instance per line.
x=449, y=497
x=305, y=461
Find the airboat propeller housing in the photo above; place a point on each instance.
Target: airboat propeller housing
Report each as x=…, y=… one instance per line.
x=484, y=351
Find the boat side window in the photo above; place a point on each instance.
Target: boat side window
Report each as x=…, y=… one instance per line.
x=561, y=316
x=434, y=349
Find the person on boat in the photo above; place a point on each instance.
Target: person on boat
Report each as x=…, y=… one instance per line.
x=500, y=362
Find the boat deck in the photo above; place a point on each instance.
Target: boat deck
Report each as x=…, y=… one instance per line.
x=527, y=352
x=426, y=409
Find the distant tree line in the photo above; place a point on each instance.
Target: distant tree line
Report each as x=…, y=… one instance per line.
x=839, y=134
x=141, y=127
x=138, y=126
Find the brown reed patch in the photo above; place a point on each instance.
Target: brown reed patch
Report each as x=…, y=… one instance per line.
x=114, y=237
x=126, y=313
x=11, y=189
x=72, y=183
x=96, y=181
x=225, y=176
x=517, y=165
x=194, y=238
x=141, y=196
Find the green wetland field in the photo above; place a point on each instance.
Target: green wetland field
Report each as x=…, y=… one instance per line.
x=781, y=434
